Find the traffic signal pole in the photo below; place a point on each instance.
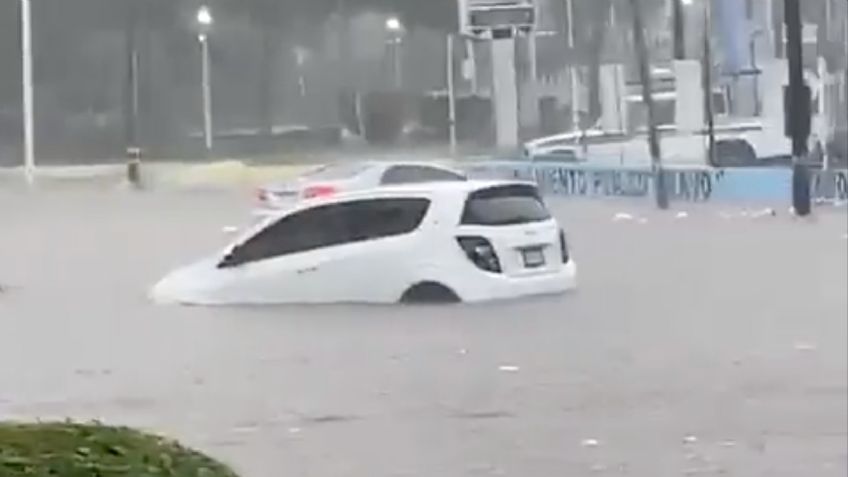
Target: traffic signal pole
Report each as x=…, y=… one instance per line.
x=660, y=189
x=798, y=116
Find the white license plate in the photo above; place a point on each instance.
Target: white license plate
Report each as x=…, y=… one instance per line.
x=533, y=257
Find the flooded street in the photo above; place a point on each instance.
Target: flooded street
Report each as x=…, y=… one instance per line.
x=701, y=345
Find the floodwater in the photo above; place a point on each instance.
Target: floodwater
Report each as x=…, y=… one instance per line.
x=705, y=345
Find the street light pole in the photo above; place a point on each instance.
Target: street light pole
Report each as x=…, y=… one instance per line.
x=207, y=92
x=451, y=95
x=575, y=94
x=647, y=97
x=131, y=99
x=27, y=80
x=204, y=21
x=395, y=29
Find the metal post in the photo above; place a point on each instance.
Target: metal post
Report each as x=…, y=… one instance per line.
x=451, y=95
x=131, y=97
x=397, y=62
x=575, y=94
x=207, y=92
x=27, y=80
x=798, y=111
x=647, y=97
x=707, y=71
x=677, y=28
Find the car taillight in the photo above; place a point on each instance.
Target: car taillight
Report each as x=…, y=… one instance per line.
x=318, y=191
x=563, y=247
x=481, y=253
x=262, y=196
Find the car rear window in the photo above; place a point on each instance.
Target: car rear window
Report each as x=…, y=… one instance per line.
x=505, y=205
x=557, y=155
x=410, y=174
x=337, y=171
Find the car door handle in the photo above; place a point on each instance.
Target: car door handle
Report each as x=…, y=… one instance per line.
x=304, y=271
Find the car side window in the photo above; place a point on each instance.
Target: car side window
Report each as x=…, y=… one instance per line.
x=413, y=173
x=301, y=232
x=331, y=225
x=379, y=218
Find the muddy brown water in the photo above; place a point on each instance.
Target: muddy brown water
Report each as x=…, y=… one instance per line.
x=694, y=346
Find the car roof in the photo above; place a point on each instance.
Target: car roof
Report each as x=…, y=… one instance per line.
x=437, y=164
x=421, y=189
x=429, y=188
x=446, y=190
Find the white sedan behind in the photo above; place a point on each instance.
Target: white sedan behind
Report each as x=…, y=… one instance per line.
x=334, y=179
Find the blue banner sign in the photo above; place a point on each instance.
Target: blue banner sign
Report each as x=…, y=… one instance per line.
x=692, y=184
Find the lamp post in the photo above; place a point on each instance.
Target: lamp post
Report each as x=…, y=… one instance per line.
x=451, y=94
x=26, y=63
x=204, y=26
x=394, y=27
x=575, y=93
x=131, y=95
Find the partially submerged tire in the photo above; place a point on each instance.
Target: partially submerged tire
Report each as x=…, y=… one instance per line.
x=429, y=293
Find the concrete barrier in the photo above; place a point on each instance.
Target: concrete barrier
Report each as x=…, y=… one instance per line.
x=688, y=183
x=222, y=174
x=693, y=184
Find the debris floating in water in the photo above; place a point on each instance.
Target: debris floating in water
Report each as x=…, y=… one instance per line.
x=623, y=217
x=769, y=212
x=230, y=229
x=805, y=347
x=690, y=440
x=682, y=215
x=590, y=443
x=509, y=369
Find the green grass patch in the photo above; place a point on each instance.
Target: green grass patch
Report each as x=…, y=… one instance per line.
x=93, y=450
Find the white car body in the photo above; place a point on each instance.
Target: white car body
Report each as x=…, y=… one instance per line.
x=757, y=142
x=340, y=178
x=389, y=245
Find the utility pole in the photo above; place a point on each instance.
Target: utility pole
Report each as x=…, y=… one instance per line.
x=798, y=109
x=647, y=97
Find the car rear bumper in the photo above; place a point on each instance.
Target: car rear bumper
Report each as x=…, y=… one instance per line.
x=499, y=287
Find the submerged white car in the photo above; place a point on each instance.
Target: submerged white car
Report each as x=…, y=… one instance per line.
x=442, y=242
x=334, y=179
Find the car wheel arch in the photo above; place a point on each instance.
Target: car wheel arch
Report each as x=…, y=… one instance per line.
x=429, y=291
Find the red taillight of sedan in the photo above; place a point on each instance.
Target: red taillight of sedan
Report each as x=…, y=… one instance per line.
x=262, y=196
x=316, y=191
